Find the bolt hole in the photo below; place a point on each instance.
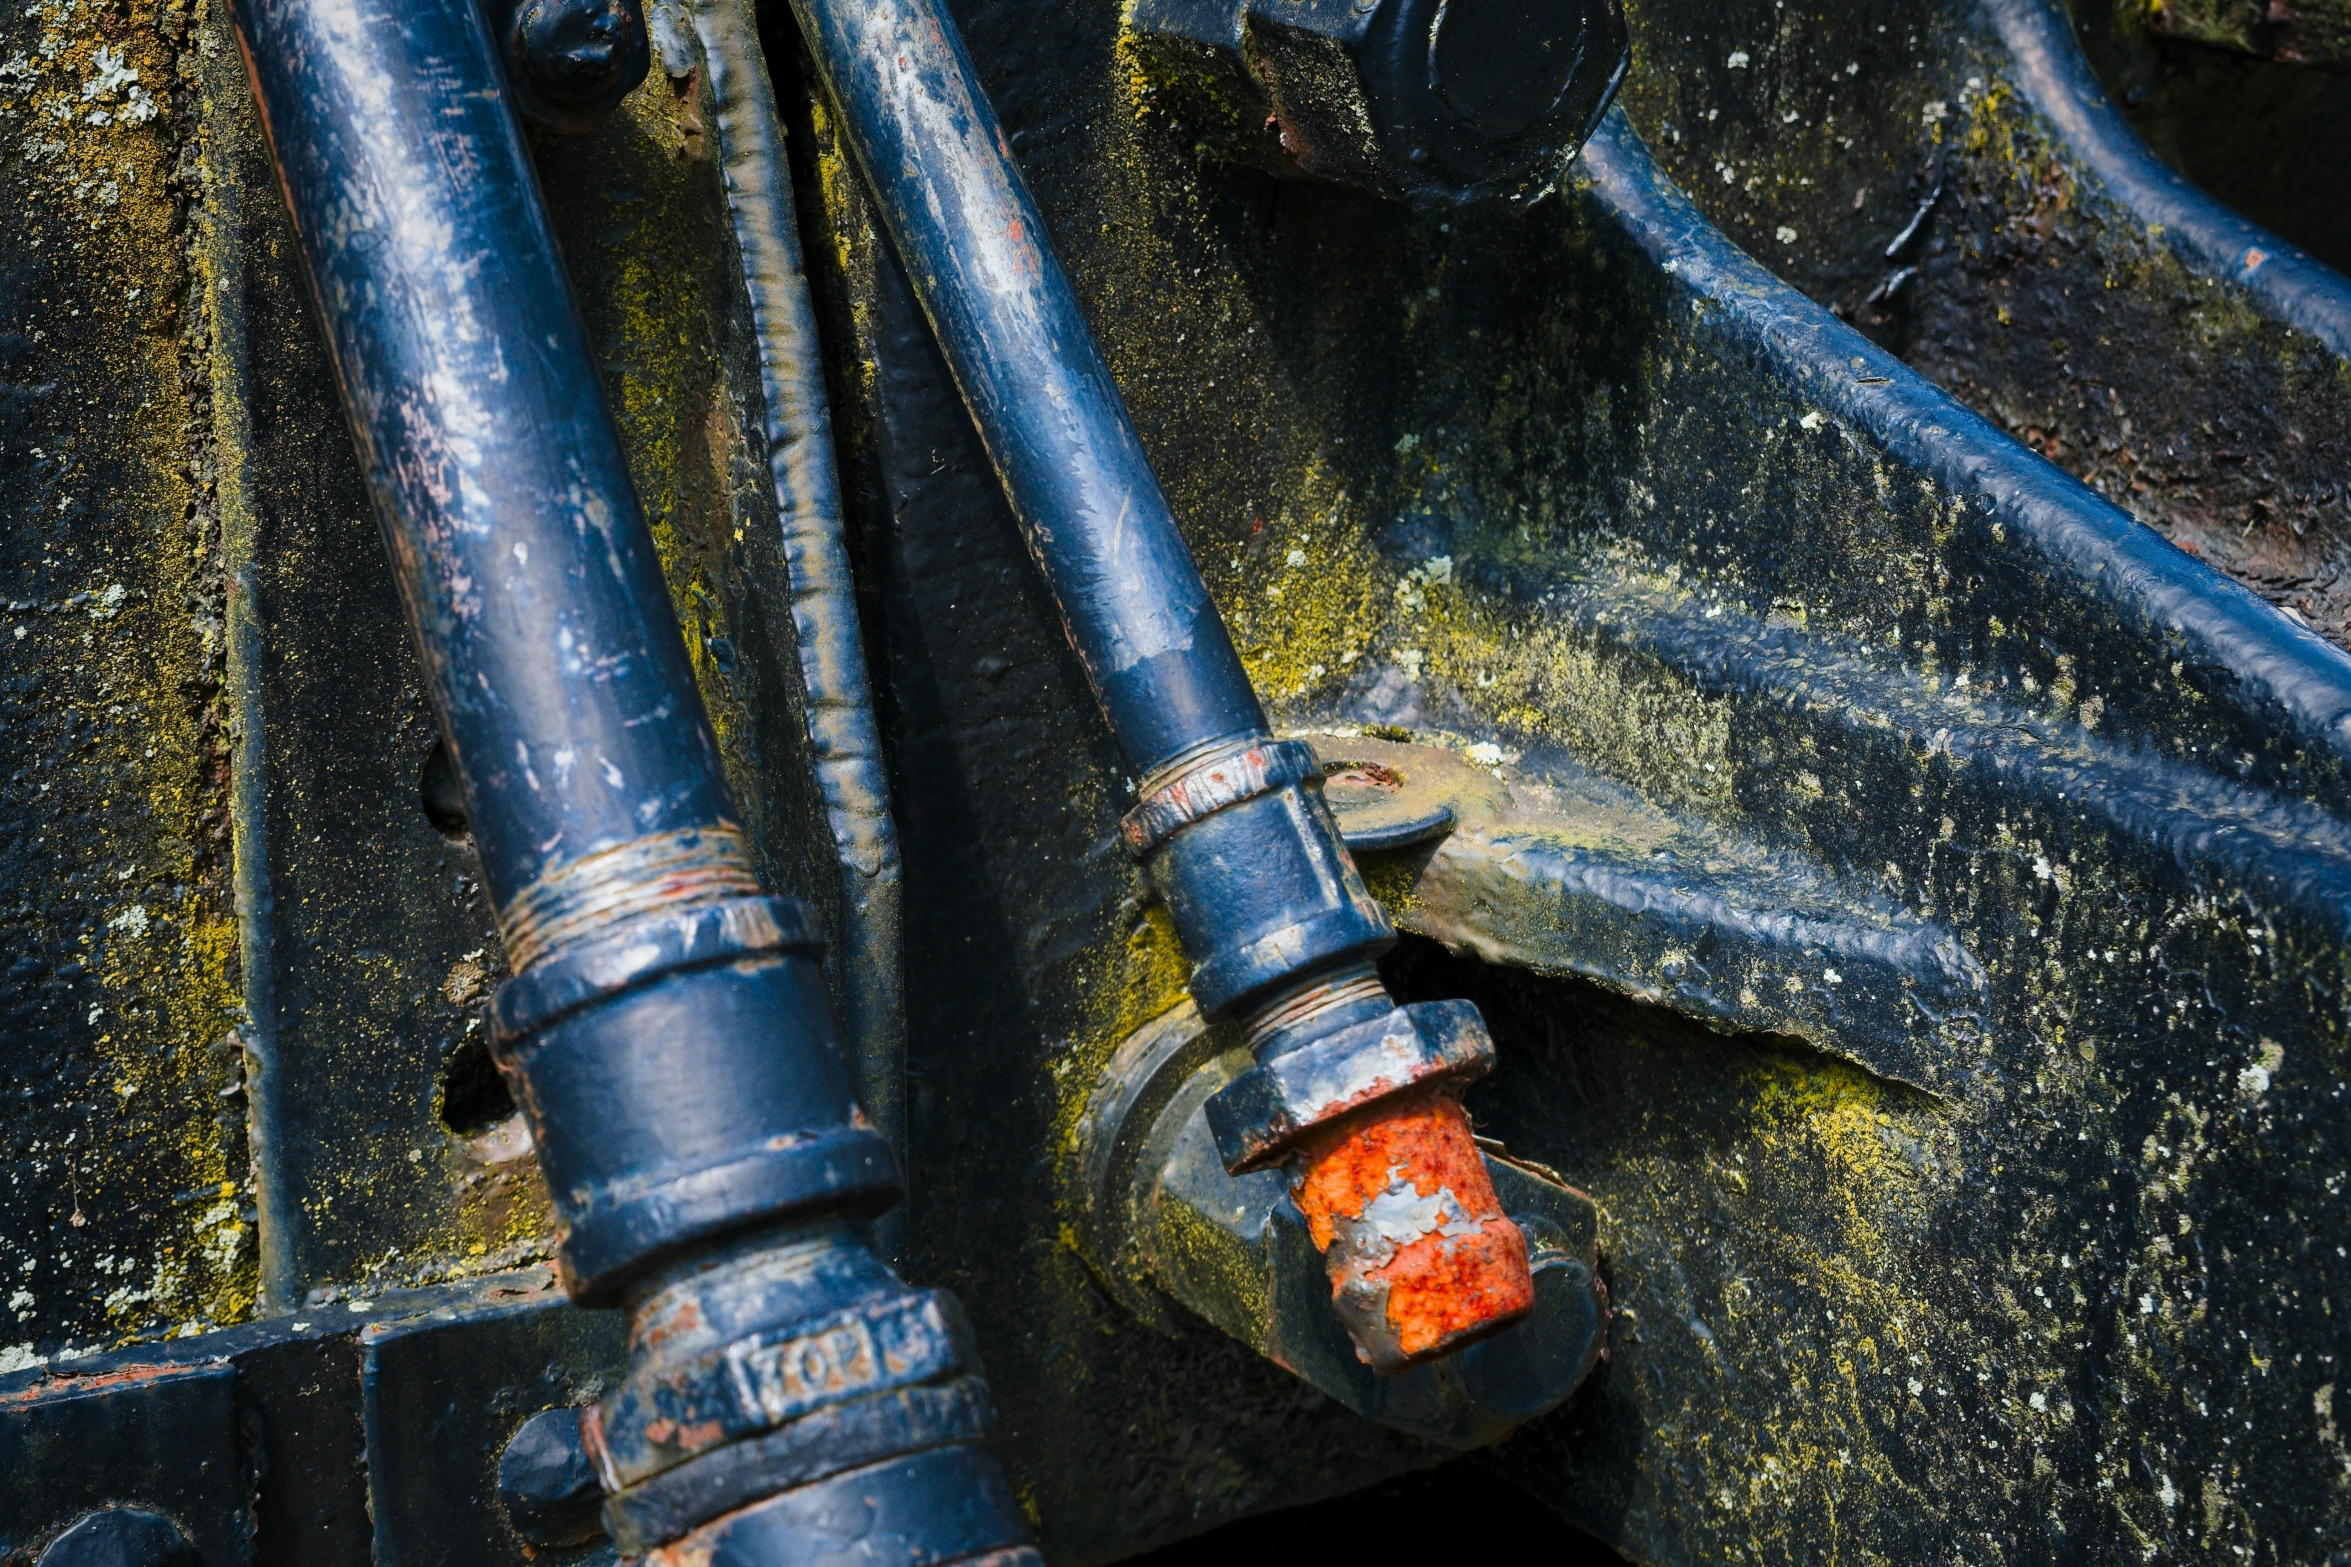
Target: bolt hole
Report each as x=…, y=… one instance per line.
x=474, y=1097
x=1345, y=783
x=1363, y=775
x=442, y=793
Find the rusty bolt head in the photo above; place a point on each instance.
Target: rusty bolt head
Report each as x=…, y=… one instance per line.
x=571, y=62
x=1422, y=1260
x=1428, y=100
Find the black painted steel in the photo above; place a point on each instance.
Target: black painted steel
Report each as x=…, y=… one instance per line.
x=359, y=1431
x=2293, y=285
x=1855, y=725
x=942, y=1505
x=748, y=1362
x=122, y=1537
x=1161, y=1221
x=682, y=1405
x=87, y=1462
x=2273, y=690
x=669, y=1032
x=1344, y=1056
x=569, y=63
x=1261, y=890
x=448, y=1384
x=842, y=732
x=1419, y=99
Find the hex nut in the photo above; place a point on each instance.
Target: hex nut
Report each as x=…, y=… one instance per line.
x=1424, y=100
x=1260, y=1114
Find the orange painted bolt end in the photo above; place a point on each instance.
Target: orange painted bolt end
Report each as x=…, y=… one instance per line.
x=1421, y=1257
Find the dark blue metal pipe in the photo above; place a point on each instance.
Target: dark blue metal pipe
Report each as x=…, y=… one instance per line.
x=1231, y=823
x=1266, y=894
x=463, y=365
x=1136, y=610
x=593, y=784
x=2289, y=284
x=668, y=1030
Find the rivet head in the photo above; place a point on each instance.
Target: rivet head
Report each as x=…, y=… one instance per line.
x=546, y=1483
x=122, y=1537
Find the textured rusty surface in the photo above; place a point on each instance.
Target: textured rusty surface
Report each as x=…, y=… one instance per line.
x=1419, y=1250
x=685, y=868
x=68, y=1445
x=1513, y=483
x=125, y=1206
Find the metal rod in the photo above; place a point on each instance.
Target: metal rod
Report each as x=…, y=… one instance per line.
x=842, y=732
x=668, y=1030
x=216, y=234
x=1231, y=823
x=1137, y=612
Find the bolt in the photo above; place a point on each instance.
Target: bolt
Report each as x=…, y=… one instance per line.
x=122, y=1537
x=546, y=1483
x=571, y=62
x=1502, y=64
x=1428, y=100
x=1421, y=1258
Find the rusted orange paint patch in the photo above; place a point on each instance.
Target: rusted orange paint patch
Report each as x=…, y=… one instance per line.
x=1455, y=1268
x=67, y=1385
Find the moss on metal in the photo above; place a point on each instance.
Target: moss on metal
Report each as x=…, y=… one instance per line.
x=126, y=1211
x=1491, y=479
x=1818, y=136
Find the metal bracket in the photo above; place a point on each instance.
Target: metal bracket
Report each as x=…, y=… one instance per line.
x=162, y=1440
x=355, y=1430
x=1163, y=1222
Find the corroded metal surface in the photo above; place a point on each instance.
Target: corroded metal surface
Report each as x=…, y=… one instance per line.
x=123, y=1138
x=1950, y=179
x=1908, y=895
x=1164, y=1224
x=65, y=1449
x=683, y=869
x=1423, y=1258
